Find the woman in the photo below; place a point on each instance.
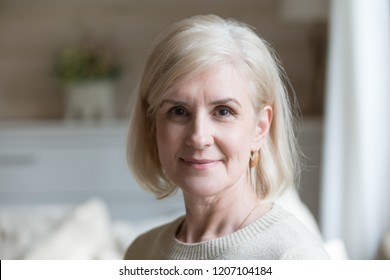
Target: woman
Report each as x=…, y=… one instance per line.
x=212, y=118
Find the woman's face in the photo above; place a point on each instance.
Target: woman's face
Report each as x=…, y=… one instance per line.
x=206, y=131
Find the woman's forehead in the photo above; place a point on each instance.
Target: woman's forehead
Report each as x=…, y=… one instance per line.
x=222, y=82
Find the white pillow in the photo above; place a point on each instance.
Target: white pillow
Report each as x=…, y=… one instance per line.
x=23, y=226
x=85, y=234
x=336, y=249
x=386, y=246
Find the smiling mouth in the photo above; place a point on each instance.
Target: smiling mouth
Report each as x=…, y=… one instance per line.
x=200, y=164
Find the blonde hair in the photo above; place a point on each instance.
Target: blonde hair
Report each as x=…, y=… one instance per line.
x=187, y=48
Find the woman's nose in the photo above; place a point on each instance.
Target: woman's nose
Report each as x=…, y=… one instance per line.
x=200, y=133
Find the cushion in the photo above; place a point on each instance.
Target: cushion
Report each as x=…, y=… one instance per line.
x=85, y=234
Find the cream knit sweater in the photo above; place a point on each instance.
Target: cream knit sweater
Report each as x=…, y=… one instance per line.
x=275, y=235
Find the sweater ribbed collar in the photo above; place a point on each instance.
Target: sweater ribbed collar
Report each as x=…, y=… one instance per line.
x=211, y=249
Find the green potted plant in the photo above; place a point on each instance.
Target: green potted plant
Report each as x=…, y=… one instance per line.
x=88, y=76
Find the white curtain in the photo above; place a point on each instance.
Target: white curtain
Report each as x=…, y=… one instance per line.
x=355, y=201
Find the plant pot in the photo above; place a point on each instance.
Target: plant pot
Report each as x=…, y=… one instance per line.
x=90, y=100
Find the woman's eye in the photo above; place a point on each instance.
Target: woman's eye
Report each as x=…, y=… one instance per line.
x=224, y=112
x=177, y=112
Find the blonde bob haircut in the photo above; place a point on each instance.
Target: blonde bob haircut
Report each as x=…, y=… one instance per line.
x=188, y=48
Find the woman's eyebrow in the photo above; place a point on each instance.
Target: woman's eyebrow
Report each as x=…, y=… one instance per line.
x=173, y=102
x=216, y=102
x=225, y=101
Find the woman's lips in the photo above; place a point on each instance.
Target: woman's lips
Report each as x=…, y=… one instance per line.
x=200, y=164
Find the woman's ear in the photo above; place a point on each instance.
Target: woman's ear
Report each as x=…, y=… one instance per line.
x=263, y=125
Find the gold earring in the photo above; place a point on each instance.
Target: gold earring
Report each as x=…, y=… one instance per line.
x=254, y=159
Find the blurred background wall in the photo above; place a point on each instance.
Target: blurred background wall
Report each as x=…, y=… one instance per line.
x=33, y=32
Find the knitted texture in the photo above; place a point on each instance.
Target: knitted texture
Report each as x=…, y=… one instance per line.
x=276, y=235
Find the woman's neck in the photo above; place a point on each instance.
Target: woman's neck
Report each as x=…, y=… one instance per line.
x=217, y=216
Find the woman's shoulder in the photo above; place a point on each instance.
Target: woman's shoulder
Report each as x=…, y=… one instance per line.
x=144, y=246
x=290, y=237
x=288, y=223
x=278, y=217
